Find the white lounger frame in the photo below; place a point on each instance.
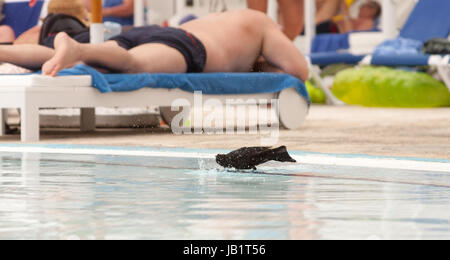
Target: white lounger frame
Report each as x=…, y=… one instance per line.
x=32, y=92
x=441, y=63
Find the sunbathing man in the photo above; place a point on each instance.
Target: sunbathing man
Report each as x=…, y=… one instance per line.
x=226, y=42
x=368, y=13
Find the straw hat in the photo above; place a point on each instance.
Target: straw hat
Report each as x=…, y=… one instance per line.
x=74, y=8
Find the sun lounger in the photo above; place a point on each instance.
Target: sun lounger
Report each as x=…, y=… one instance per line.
x=83, y=87
x=429, y=19
x=329, y=58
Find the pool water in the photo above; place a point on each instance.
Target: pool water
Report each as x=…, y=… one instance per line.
x=64, y=196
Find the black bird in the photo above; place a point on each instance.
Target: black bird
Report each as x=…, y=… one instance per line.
x=249, y=157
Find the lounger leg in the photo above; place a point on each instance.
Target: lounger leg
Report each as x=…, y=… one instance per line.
x=292, y=109
x=331, y=98
x=31, y=167
x=87, y=119
x=29, y=124
x=444, y=71
x=3, y=118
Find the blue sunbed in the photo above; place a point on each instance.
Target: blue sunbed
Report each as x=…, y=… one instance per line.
x=429, y=19
x=20, y=16
x=328, y=58
x=207, y=83
x=84, y=87
x=406, y=60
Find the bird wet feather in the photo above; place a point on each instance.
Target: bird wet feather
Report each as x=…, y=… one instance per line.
x=248, y=158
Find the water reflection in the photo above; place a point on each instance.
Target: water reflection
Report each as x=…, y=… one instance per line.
x=106, y=197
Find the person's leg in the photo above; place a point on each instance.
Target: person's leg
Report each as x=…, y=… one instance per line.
x=68, y=53
x=292, y=17
x=327, y=10
x=152, y=58
x=29, y=56
x=157, y=58
x=29, y=37
x=258, y=5
x=6, y=34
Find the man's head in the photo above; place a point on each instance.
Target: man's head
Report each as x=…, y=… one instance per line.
x=370, y=10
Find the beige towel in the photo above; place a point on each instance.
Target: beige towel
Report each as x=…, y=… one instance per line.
x=74, y=8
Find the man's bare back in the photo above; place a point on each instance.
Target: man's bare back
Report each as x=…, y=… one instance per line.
x=233, y=41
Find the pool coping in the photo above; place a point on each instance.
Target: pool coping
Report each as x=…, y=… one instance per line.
x=325, y=159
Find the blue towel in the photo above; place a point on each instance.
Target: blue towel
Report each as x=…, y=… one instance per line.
x=401, y=60
x=208, y=83
x=399, y=46
x=329, y=58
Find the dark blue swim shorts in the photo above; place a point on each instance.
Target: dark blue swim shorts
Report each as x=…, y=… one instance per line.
x=193, y=50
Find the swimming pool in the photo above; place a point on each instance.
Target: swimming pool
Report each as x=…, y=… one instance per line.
x=148, y=193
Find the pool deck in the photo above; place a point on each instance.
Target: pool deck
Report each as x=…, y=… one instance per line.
x=419, y=133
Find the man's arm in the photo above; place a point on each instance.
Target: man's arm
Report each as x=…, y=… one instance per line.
x=282, y=55
x=364, y=25
x=349, y=25
x=346, y=25
x=328, y=9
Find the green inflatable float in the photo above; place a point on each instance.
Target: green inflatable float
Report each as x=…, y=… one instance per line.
x=386, y=87
x=315, y=94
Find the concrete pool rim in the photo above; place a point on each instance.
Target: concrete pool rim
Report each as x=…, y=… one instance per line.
x=325, y=159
